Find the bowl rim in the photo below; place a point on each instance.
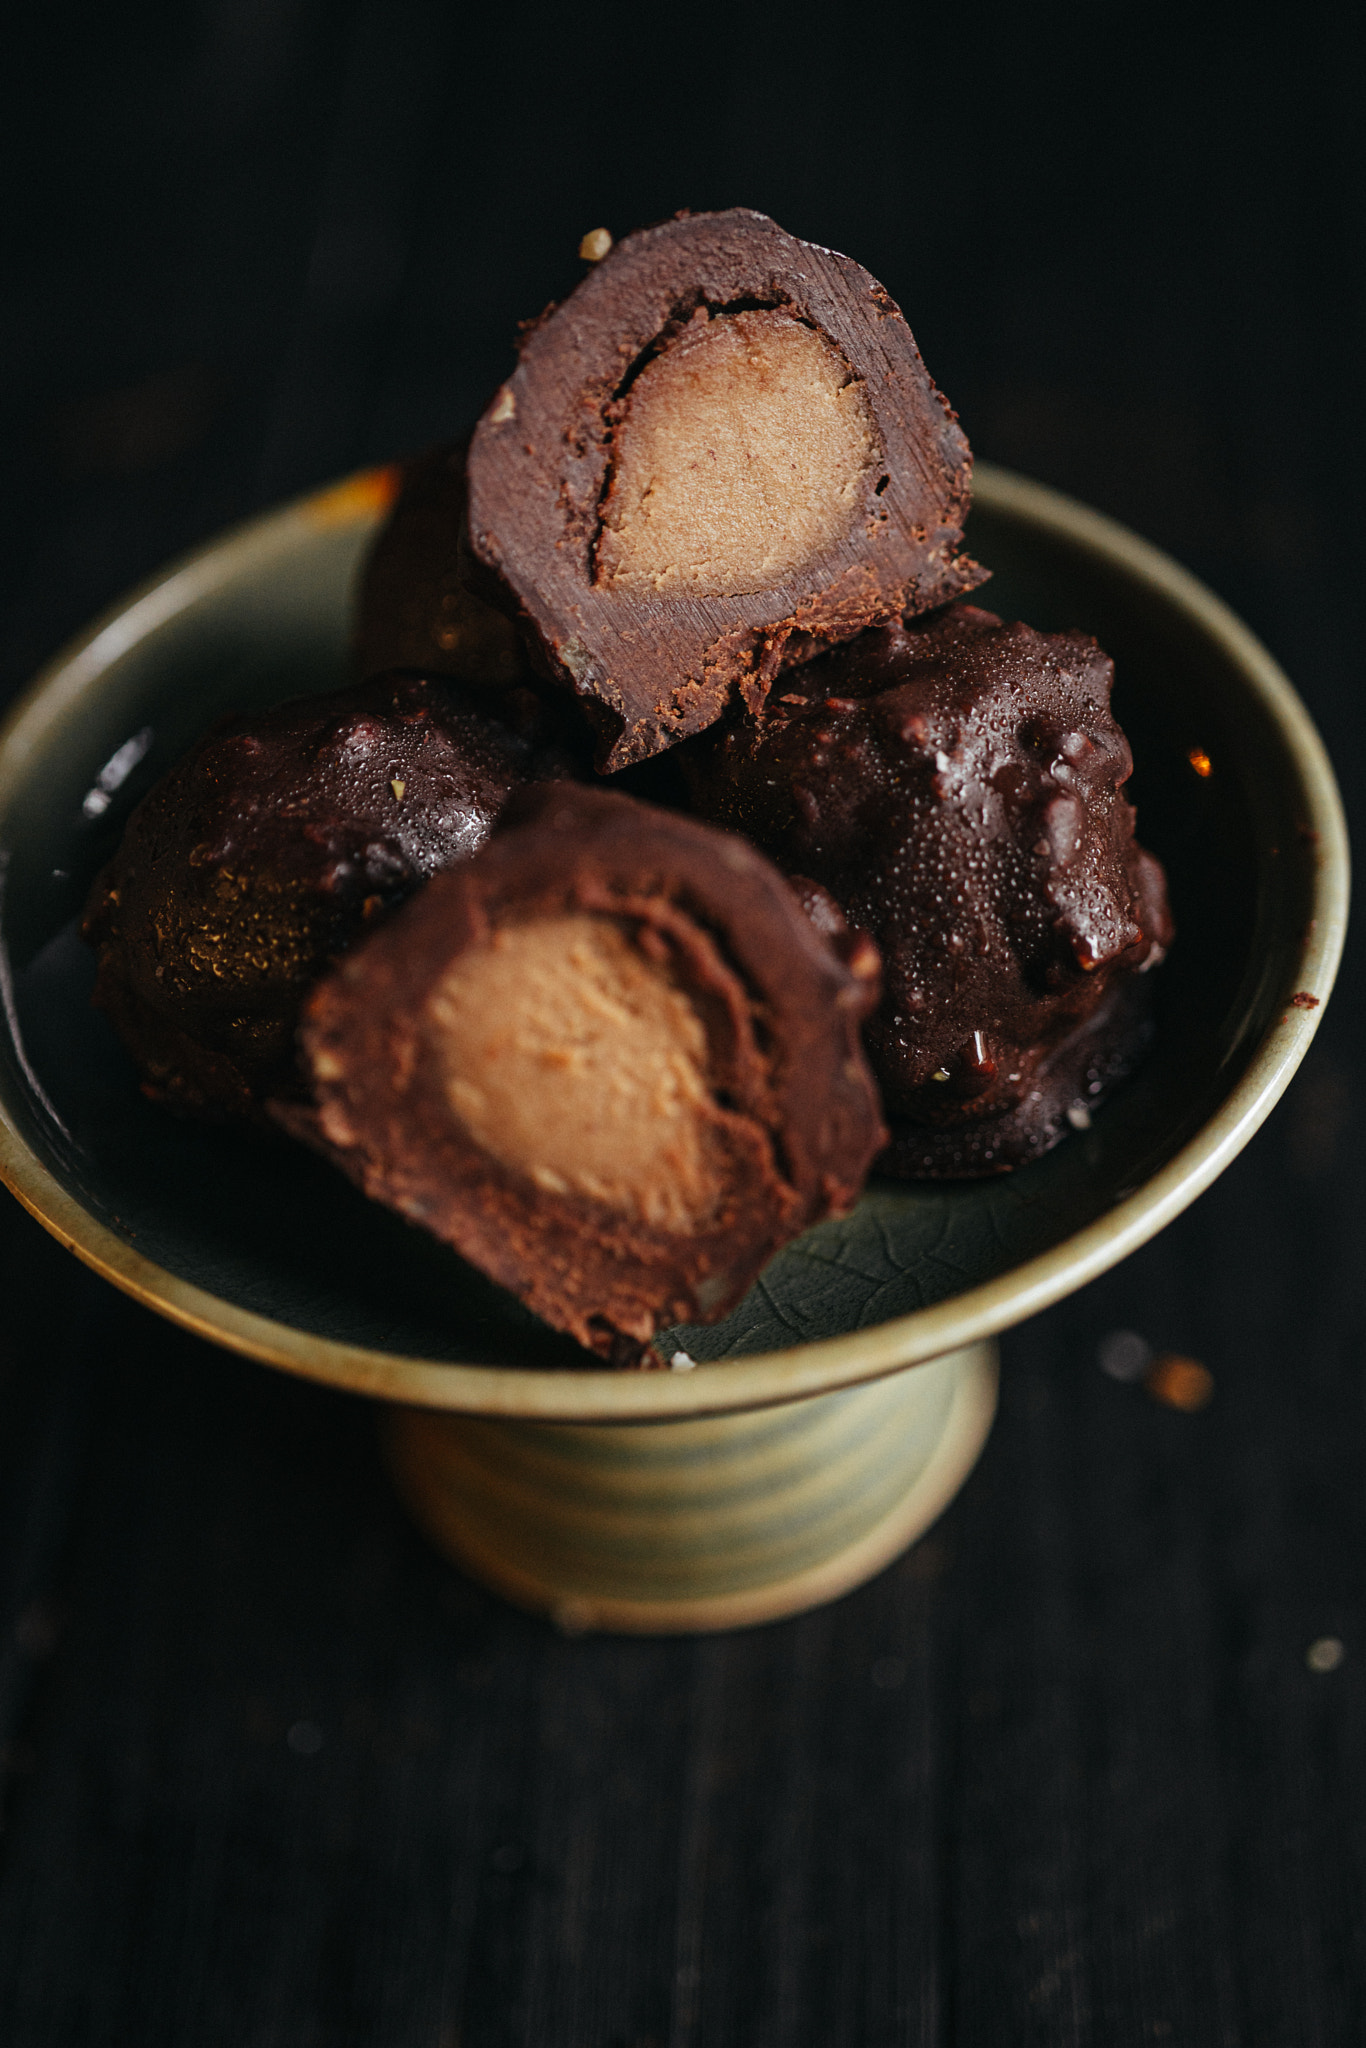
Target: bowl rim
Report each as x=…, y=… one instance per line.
x=727, y=1385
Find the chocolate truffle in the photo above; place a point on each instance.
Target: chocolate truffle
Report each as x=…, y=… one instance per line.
x=956, y=785
x=720, y=454
x=265, y=852
x=610, y=1060
x=417, y=605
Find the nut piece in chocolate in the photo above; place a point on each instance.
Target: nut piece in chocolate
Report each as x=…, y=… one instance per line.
x=720, y=454
x=956, y=785
x=270, y=847
x=610, y=1060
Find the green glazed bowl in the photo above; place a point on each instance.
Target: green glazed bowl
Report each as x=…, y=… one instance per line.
x=262, y=1247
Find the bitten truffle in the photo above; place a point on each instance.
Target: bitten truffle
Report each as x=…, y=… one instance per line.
x=720, y=454
x=610, y=1060
x=265, y=852
x=956, y=785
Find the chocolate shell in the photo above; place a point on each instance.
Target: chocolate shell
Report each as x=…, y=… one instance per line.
x=417, y=606
x=610, y=1060
x=270, y=847
x=956, y=785
x=720, y=454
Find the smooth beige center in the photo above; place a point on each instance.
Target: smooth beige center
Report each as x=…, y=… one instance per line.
x=575, y=1061
x=742, y=455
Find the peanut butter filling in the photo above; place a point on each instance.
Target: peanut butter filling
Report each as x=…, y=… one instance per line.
x=742, y=455
x=574, y=1060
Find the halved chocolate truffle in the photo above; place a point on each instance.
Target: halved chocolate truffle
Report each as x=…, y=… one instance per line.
x=956, y=785
x=609, y=1060
x=265, y=852
x=720, y=454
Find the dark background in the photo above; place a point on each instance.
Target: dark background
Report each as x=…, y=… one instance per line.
x=273, y=1775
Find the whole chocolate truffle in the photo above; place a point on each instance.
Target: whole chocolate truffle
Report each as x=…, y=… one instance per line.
x=418, y=605
x=956, y=784
x=609, y=1059
x=270, y=847
x=720, y=454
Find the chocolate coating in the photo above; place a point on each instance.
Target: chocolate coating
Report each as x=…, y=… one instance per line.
x=609, y=1060
x=270, y=847
x=720, y=454
x=418, y=605
x=956, y=785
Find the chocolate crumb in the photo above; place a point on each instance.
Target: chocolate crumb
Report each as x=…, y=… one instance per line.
x=1181, y=1383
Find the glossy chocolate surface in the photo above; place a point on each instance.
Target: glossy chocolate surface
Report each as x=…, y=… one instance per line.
x=956, y=785
x=270, y=847
x=418, y=604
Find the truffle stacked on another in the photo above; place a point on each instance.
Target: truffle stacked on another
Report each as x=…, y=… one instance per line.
x=610, y=1060
x=271, y=846
x=956, y=785
x=720, y=454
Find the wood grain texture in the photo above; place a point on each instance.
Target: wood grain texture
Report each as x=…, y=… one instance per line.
x=274, y=1775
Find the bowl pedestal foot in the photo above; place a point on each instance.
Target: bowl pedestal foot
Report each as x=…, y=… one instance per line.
x=675, y=1527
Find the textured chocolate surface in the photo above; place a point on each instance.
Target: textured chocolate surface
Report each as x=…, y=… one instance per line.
x=720, y=454
x=956, y=786
x=416, y=605
x=765, y=1119
x=266, y=851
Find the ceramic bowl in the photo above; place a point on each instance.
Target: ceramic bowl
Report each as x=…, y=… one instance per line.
x=794, y=1463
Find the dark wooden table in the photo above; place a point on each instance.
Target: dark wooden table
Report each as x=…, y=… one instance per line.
x=273, y=1775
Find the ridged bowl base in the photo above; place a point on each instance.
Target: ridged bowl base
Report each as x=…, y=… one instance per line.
x=676, y=1527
